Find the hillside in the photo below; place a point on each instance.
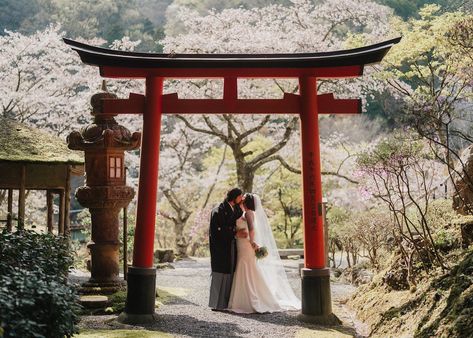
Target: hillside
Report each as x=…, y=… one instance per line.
x=441, y=305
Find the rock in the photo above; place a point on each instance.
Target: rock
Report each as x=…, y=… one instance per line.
x=466, y=234
x=164, y=266
x=396, y=279
x=93, y=301
x=358, y=276
x=355, y=275
x=423, y=251
x=336, y=272
x=164, y=255
x=363, y=277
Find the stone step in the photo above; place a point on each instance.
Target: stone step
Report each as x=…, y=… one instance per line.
x=93, y=301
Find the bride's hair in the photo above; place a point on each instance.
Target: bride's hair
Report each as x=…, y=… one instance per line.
x=249, y=201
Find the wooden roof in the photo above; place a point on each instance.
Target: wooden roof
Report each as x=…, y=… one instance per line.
x=21, y=143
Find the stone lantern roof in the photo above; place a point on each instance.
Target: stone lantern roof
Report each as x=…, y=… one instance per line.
x=104, y=132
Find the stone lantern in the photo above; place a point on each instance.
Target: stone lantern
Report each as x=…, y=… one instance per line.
x=105, y=192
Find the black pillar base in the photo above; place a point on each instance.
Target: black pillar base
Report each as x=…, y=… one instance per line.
x=316, y=297
x=141, y=296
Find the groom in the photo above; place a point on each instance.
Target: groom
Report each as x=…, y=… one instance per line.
x=223, y=248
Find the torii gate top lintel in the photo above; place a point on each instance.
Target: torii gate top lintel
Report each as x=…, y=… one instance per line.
x=334, y=64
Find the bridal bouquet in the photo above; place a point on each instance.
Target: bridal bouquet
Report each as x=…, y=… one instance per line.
x=261, y=252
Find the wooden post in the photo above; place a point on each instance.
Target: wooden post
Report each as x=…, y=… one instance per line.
x=10, y=209
x=314, y=249
x=60, y=230
x=143, y=246
x=125, y=240
x=49, y=203
x=316, y=297
x=141, y=277
x=125, y=234
x=326, y=232
x=67, y=202
x=22, y=198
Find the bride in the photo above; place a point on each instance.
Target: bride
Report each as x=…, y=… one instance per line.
x=259, y=286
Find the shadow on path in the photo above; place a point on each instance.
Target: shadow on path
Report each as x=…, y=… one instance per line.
x=289, y=318
x=197, y=328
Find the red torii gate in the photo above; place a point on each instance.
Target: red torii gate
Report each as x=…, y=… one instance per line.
x=307, y=67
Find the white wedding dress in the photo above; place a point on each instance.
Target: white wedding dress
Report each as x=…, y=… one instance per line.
x=250, y=293
x=260, y=286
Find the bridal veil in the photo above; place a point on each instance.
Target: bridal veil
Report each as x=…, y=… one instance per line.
x=272, y=267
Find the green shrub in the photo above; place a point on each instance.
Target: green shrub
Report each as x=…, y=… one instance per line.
x=31, y=251
x=445, y=240
x=35, y=297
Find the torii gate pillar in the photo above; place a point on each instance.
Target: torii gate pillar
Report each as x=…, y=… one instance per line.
x=141, y=277
x=316, y=299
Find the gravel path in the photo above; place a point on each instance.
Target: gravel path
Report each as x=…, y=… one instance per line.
x=188, y=315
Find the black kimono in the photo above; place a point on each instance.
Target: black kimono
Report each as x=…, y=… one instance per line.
x=222, y=252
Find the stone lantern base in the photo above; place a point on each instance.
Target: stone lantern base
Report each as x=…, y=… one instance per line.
x=105, y=204
x=90, y=288
x=104, y=270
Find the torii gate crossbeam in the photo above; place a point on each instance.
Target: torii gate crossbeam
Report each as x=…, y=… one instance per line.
x=155, y=68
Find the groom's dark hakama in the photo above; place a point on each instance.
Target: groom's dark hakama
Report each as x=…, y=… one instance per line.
x=223, y=253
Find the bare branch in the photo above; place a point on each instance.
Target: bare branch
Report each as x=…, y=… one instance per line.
x=332, y=173
x=282, y=161
x=220, y=166
x=200, y=130
x=287, y=134
x=255, y=129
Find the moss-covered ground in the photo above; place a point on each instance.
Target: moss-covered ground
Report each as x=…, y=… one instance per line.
x=116, y=303
x=441, y=305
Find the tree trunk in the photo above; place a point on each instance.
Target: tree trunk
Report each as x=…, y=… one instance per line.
x=237, y=140
x=3, y=194
x=354, y=256
x=348, y=259
x=194, y=247
x=374, y=258
x=245, y=175
x=181, y=243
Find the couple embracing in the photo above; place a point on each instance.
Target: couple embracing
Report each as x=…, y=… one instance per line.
x=240, y=283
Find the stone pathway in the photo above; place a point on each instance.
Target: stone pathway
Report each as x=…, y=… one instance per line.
x=187, y=313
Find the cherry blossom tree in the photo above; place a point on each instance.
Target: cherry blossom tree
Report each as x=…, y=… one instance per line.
x=186, y=186
x=431, y=70
x=401, y=172
x=300, y=27
x=42, y=81
x=45, y=84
